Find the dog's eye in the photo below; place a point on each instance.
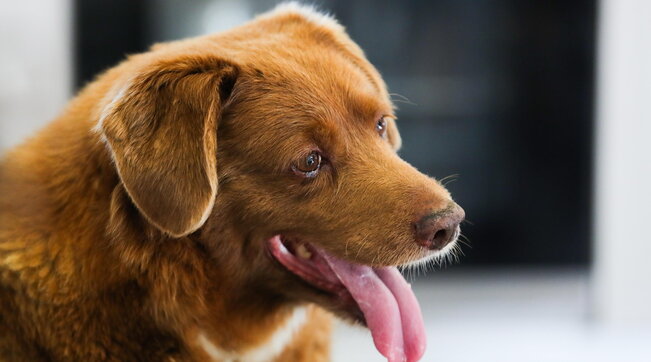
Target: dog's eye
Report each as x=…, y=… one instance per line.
x=309, y=165
x=381, y=126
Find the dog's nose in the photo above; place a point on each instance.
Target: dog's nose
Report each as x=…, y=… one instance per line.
x=436, y=230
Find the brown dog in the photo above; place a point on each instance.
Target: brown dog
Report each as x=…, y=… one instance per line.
x=205, y=200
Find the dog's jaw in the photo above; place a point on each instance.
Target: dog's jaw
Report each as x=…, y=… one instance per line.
x=378, y=297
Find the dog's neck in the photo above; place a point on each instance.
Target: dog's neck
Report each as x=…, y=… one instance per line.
x=271, y=346
x=216, y=312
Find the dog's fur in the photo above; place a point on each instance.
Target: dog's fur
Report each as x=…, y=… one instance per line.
x=133, y=226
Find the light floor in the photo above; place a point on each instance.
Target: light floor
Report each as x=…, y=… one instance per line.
x=514, y=315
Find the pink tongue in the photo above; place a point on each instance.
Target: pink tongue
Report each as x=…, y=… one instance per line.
x=390, y=308
x=413, y=328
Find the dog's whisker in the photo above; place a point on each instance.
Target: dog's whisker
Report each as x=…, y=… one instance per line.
x=402, y=99
x=449, y=178
x=460, y=251
x=446, y=183
x=465, y=243
x=464, y=240
x=457, y=251
x=398, y=95
x=468, y=222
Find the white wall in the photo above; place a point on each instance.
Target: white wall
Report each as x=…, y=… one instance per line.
x=622, y=269
x=35, y=65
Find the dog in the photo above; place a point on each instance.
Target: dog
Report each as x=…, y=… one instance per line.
x=219, y=198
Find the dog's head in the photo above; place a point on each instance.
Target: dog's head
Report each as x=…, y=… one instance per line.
x=280, y=136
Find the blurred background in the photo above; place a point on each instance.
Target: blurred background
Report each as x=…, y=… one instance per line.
x=538, y=111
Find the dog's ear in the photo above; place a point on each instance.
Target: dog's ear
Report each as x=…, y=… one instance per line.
x=161, y=130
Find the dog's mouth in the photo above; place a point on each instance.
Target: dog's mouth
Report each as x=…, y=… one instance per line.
x=378, y=297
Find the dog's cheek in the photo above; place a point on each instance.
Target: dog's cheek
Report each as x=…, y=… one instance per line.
x=260, y=203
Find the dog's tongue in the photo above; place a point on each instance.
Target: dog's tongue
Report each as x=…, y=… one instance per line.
x=390, y=308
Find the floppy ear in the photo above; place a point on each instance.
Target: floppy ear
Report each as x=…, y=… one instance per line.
x=161, y=130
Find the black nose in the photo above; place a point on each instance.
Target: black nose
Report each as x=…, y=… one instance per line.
x=437, y=229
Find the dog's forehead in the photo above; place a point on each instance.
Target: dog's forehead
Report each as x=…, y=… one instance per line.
x=329, y=85
x=314, y=65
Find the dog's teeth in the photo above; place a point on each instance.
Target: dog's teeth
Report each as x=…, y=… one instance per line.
x=302, y=252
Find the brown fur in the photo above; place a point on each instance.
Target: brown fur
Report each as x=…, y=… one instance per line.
x=121, y=242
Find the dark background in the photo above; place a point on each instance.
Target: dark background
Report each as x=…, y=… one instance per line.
x=496, y=92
